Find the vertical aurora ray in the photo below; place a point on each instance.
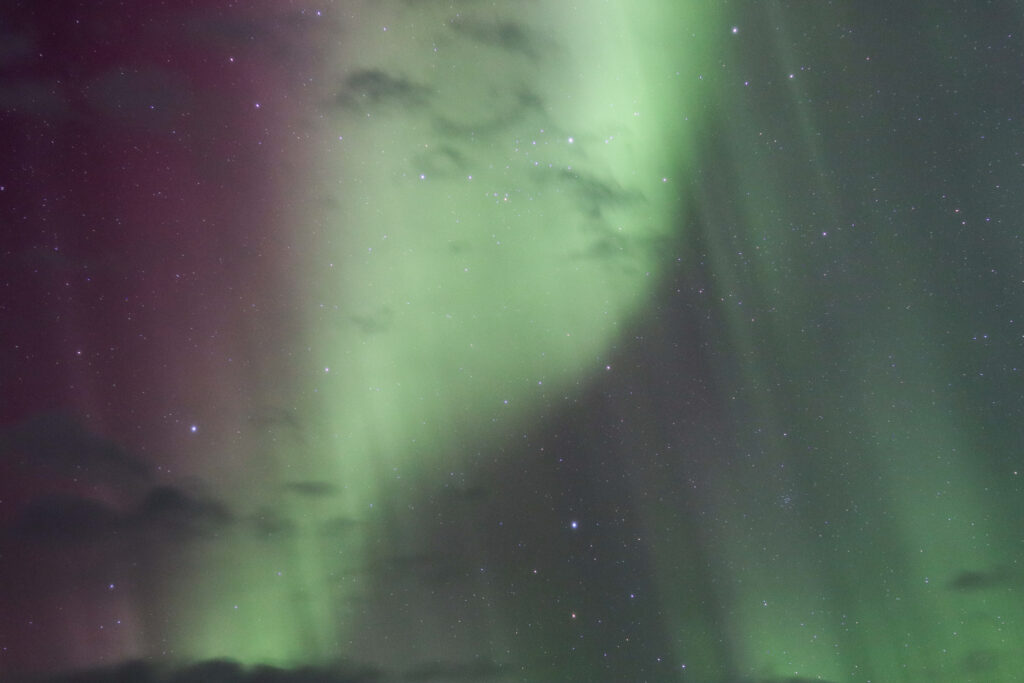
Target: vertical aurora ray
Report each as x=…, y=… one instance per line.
x=490, y=193
x=857, y=481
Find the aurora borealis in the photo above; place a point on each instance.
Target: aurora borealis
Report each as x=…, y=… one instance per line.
x=460, y=340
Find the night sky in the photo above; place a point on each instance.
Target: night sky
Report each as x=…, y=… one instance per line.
x=541, y=341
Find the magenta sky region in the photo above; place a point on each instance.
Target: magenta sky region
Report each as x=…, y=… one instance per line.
x=150, y=270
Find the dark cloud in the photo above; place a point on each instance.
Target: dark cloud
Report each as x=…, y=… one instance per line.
x=175, y=511
x=268, y=524
x=225, y=671
x=165, y=513
x=983, y=663
x=60, y=444
x=373, y=88
x=505, y=35
x=215, y=671
x=228, y=671
x=459, y=246
x=129, y=672
x=606, y=247
x=274, y=418
x=312, y=489
x=376, y=322
x=595, y=193
x=969, y=580
x=443, y=161
x=609, y=245
x=515, y=108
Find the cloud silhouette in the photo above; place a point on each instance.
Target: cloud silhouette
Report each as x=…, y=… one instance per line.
x=375, y=88
x=374, y=323
x=312, y=489
x=213, y=671
x=166, y=513
x=228, y=671
x=505, y=35
x=174, y=510
x=269, y=524
x=60, y=444
x=970, y=580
